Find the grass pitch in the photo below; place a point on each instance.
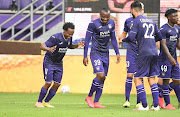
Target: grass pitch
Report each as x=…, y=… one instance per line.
x=73, y=105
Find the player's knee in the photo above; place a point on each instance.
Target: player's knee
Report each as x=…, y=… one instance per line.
x=56, y=84
x=47, y=85
x=101, y=77
x=130, y=75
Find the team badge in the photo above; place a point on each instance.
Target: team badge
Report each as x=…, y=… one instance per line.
x=98, y=68
x=163, y=73
x=109, y=26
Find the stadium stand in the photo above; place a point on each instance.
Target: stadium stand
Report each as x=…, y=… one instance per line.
x=16, y=22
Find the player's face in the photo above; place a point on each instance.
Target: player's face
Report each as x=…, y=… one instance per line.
x=105, y=16
x=173, y=18
x=69, y=33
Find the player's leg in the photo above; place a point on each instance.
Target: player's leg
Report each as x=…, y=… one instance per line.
x=131, y=69
x=176, y=87
x=166, y=96
x=141, y=94
x=99, y=88
x=154, y=71
x=97, y=83
x=101, y=77
x=176, y=81
x=57, y=81
x=128, y=87
x=161, y=100
x=48, y=77
x=155, y=93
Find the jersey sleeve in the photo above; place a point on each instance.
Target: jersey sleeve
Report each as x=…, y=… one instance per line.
x=89, y=33
x=158, y=35
x=132, y=34
x=91, y=27
x=125, y=26
x=51, y=41
x=163, y=33
x=134, y=28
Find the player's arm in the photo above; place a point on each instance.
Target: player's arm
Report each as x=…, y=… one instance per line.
x=80, y=44
x=122, y=36
x=124, y=33
x=165, y=49
x=89, y=34
x=130, y=38
x=178, y=44
x=49, y=45
x=158, y=37
x=132, y=33
x=115, y=45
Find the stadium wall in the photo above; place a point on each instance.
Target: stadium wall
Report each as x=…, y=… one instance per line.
x=23, y=73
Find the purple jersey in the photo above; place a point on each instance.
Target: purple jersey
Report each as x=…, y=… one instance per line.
x=145, y=31
x=171, y=35
x=132, y=46
x=62, y=46
x=101, y=34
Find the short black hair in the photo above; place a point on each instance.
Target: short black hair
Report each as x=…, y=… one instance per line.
x=170, y=11
x=105, y=9
x=136, y=4
x=68, y=25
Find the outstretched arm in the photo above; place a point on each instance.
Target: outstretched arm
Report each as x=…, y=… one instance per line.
x=130, y=38
x=80, y=44
x=122, y=36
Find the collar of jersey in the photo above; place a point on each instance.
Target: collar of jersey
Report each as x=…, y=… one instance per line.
x=64, y=37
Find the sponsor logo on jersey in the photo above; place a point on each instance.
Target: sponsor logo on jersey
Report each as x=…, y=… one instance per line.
x=173, y=38
x=62, y=50
x=105, y=34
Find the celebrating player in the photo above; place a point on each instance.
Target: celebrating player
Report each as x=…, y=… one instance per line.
x=56, y=47
x=100, y=31
x=131, y=56
x=144, y=30
x=168, y=59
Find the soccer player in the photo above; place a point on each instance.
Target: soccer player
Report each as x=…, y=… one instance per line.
x=56, y=47
x=168, y=59
x=100, y=31
x=145, y=31
x=131, y=56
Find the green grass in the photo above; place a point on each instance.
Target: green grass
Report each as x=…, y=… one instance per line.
x=73, y=105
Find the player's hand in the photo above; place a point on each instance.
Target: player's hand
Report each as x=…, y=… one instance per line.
x=118, y=58
x=119, y=41
x=81, y=44
x=172, y=61
x=85, y=61
x=52, y=49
